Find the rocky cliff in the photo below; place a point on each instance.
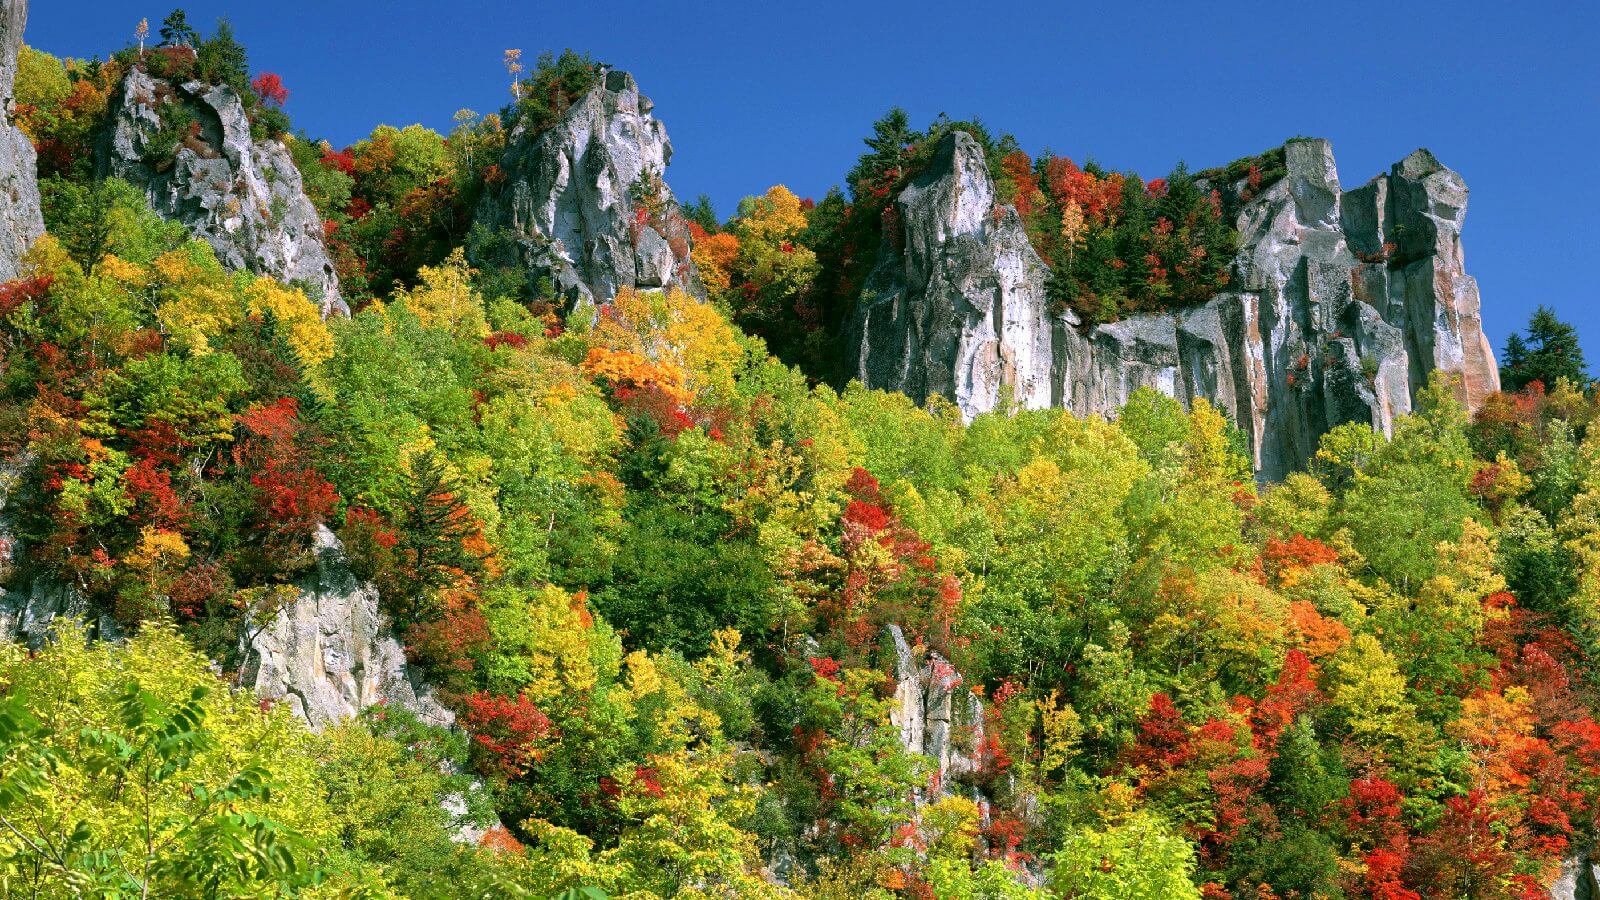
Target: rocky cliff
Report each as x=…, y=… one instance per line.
x=1339, y=306
x=936, y=716
x=330, y=654
x=242, y=196
x=20, y=221
x=1578, y=880
x=584, y=201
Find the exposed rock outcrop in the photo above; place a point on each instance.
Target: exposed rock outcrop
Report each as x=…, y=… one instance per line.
x=242, y=196
x=29, y=617
x=330, y=654
x=1339, y=306
x=20, y=220
x=960, y=311
x=28, y=611
x=584, y=201
x=1579, y=880
x=936, y=716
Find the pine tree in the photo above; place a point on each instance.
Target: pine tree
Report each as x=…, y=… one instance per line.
x=436, y=524
x=175, y=30
x=1550, y=352
x=223, y=59
x=1513, y=358
x=701, y=213
x=891, y=135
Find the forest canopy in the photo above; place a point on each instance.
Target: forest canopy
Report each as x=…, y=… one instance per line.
x=694, y=607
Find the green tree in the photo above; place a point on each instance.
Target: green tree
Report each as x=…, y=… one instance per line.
x=223, y=60
x=176, y=32
x=892, y=136
x=1549, y=353
x=133, y=772
x=1139, y=858
x=703, y=214
x=1414, y=492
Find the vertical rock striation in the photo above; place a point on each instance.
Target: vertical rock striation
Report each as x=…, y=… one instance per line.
x=1339, y=307
x=936, y=716
x=20, y=219
x=956, y=306
x=584, y=203
x=242, y=196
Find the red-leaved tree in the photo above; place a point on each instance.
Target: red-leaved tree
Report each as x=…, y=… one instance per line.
x=269, y=87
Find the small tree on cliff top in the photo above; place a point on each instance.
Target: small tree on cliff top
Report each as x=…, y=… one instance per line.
x=1548, y=353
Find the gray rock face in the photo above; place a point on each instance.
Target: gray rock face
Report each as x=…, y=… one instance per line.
x=28, y=612
x=1579, y=880
x=242, y=196
x=584, y=201
x=29, y=617
x=1339, y=306
x=329, y=654
x=936, y=716
x=20, y=220
x=956, y=305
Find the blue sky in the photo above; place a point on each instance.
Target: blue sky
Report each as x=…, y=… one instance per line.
x=755, y=94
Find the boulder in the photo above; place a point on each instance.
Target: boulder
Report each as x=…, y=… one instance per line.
x=1338, y=308
x=242, y=196
x=584, y=204
x=20, y=220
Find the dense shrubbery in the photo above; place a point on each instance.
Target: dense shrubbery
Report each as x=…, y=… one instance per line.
x=171, y=470
x=400, y=200
x=130, y=770
x=556, y=84
x=391, y=204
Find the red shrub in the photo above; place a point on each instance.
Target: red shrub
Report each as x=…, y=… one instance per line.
x=293, y=497
x=1298, y=552
x=154, y=503
x=269, y=87
x=1383, y=877
x=505, y=339
x=447, y=645
x=1294, y=693
x=506, y=732
x=14, y=294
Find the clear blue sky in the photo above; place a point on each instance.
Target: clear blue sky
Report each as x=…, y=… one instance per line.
x=758, y=93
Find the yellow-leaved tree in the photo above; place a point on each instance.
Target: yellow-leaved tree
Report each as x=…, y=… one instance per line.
x=668, y=340
x=444, y=297
x=197, y=302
